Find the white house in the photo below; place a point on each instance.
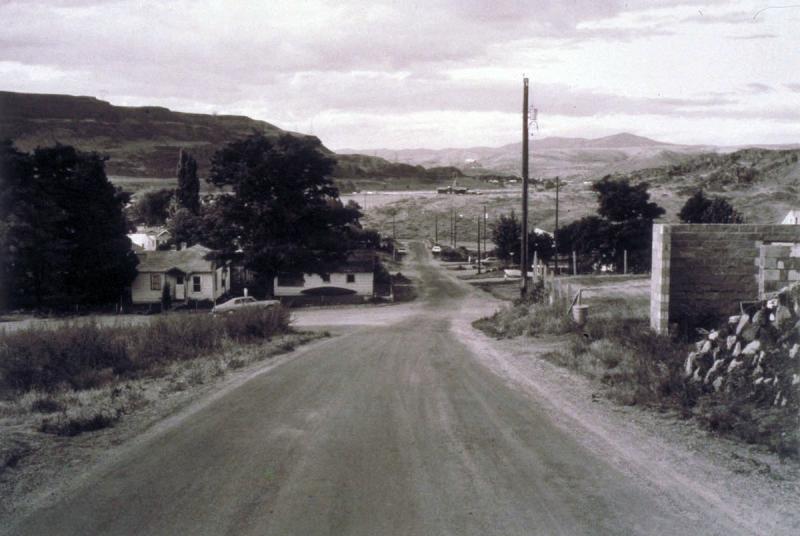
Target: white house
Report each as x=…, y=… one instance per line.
x=356, y=277
x=792, y=217
x=149, y=239
x=189, y=274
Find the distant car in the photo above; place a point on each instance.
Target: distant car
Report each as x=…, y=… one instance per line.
x=436, y=249
x=402, y=251
x=245, y=302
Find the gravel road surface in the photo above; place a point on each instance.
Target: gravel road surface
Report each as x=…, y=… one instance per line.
x=391, y=427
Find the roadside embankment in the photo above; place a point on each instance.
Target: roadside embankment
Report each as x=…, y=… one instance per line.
x=635, y=366
x=70, y=392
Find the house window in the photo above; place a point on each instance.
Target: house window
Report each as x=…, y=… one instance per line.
x=326, y=278
x=196, y=283
x=155, y=281
x=351, y=278
x=179, y=280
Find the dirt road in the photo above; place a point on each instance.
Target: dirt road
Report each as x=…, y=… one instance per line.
x=390, y=428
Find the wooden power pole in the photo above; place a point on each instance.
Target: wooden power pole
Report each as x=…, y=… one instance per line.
x=484, y=229
x=523, y=261
x=555, y=233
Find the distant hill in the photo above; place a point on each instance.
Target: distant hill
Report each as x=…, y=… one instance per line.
x=549, y=156
x=763, y=184
x=144, y=141
x=140, y=141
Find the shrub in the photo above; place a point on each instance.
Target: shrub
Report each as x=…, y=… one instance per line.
x=84, y=421
x=256, y=323
x=84, y=356
x=47, y=405
x=73, y=355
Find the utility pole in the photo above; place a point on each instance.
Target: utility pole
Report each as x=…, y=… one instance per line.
x=555, y=234
x=394, y=239
x=484, y=229
x=455, y=231
x=523, y=261
x=435, y=229
x=479, y=244
x=452, y=226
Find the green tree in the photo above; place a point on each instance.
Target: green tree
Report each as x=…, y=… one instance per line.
x=187, y=194
x=701, y=209
x=506, y=234
x=283, y=212
x=624, y=224
x=64, y=234
x=619, y=201
x=542, y=244
x=152, y=207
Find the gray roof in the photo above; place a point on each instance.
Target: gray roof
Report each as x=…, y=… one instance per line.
x=189, y=260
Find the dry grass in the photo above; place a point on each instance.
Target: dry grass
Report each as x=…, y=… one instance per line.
x=80, y=378
x=83, y=356
x=638, y=367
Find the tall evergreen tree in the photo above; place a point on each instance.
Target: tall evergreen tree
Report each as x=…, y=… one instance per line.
x=188, y=192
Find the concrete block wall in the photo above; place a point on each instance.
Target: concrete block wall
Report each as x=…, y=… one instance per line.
x=707, y=269
x=779, y=267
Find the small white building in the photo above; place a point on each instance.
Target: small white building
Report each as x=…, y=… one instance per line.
x=355, y=277
x=149, y=239
x=188, y=272
x=792, y=217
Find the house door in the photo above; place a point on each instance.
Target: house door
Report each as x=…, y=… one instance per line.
x=180, y=287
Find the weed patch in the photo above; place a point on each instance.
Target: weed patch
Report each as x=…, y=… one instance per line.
x=72, y=425
x=87, y=356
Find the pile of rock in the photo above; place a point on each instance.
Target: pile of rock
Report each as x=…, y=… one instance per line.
x=754, y=357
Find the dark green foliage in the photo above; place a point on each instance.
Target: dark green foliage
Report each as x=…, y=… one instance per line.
x=284, y=213
x=72, y=426
x=701, y=209
x=506, y=235
x=542, y=244
x=63, y=237
x=152, y=207
x=188, y=192
x=166, y=297
x=619, y=201
x=625, y=222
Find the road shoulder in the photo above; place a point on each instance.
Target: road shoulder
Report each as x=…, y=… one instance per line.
x=51, y=466
x=751, y=486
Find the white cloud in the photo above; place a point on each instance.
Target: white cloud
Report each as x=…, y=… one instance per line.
x=368, y=73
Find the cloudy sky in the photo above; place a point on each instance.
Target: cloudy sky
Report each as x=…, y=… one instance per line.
x=438, y=73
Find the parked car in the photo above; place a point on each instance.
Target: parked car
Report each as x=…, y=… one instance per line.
x=436, y=249
x=237, y=304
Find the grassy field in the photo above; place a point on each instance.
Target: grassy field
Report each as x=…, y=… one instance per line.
x=135, y=185
x=416, y=215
